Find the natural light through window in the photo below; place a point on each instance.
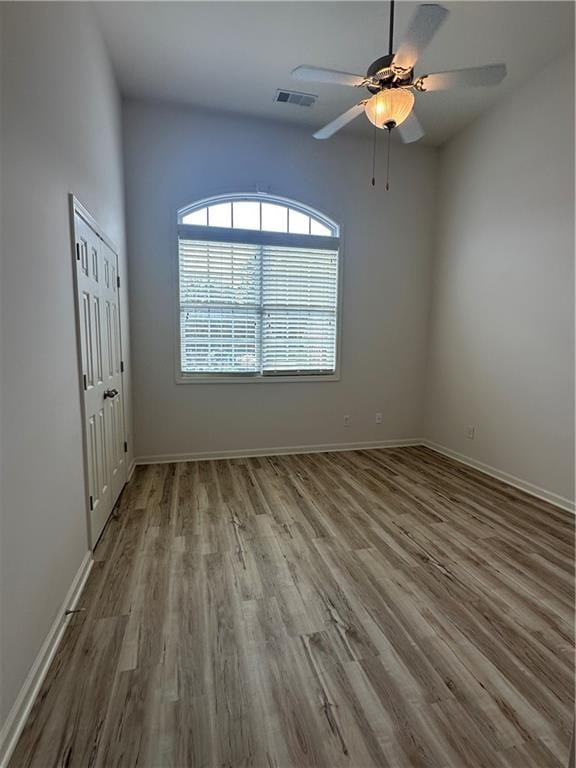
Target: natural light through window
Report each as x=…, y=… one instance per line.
x=253, y=214
x=259, y=290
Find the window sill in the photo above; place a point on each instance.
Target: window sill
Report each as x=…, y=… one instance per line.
x=200, y=379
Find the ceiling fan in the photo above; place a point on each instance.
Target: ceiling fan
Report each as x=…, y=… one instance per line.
x=391, y=80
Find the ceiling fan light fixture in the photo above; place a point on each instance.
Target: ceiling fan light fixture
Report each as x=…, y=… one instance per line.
x=390, y=107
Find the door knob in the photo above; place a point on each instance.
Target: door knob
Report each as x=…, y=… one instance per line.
x=110, y=393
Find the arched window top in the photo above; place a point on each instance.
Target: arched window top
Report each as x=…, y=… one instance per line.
x=260, y=212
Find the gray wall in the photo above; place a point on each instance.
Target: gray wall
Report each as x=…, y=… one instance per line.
x=502, y=341
x=176, y=156
x=2, y=612
x=60, y=133
x=501, y=346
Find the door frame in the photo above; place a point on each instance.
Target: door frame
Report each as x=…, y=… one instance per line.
x=76, y=208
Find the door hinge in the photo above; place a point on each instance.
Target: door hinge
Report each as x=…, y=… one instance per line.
x=85, y=381
x=125, y=447
x=121, y=366
x=118, y=281
x=91, y=503
x=78, y=251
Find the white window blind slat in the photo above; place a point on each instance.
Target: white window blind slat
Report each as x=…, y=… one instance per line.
x=219, y=273
x=298, y=341
x=220, y=340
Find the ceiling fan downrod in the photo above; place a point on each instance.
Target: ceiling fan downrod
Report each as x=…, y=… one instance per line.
x=391, y=30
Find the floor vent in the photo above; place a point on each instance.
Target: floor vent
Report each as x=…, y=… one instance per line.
x=293, y=97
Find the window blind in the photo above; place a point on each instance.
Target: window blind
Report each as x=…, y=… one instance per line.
x=257, y=308
x=299, y=302
x=220, y=316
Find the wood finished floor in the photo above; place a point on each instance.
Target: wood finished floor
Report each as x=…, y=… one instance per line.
x=378, y=608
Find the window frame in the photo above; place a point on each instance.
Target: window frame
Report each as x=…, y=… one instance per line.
x=261, y=237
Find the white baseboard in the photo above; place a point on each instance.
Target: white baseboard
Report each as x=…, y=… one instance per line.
x=247, y=453
x=131, y=469
x=516, y=482
x=17, y=716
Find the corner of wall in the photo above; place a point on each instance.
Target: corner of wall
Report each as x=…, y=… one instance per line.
x=434, y=247
x=501, y=322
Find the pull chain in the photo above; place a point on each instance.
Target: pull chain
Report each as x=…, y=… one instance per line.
x=374, y=159
x=389, y=131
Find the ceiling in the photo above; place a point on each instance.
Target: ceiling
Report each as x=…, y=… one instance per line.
x=233, y=56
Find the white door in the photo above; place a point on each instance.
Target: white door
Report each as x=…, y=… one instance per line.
x=101, y=369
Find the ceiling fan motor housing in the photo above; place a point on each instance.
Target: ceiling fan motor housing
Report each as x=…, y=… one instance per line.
x=386, y=79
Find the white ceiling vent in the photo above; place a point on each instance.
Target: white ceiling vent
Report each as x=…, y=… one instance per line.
x=294, y=97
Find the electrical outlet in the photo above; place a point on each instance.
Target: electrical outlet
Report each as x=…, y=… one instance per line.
x=378, y=418
x=470, y=432
x=346, y=420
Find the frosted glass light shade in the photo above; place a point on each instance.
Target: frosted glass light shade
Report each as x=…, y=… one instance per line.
x=389, y=107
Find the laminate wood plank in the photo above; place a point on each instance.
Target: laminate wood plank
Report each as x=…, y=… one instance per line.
x=72, y=727
x=512, y=665
x=348, y=723
x=531, y=754
x=369, y=609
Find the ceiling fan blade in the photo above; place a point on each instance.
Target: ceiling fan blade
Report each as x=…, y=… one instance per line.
x=424, y=25
x=410, y=130
x=491, y=74
x=340, y=122
x=334, y=76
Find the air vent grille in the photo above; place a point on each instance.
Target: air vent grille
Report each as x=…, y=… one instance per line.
x=294, y=97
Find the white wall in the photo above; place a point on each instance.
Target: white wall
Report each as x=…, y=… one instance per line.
x=60, y=133
x=502, y=341
x=1, y=388
x=175, y=156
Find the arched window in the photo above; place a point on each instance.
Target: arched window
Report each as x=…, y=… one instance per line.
x=258, y=212
x=258, y=290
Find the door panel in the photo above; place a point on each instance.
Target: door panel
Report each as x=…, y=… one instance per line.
x=112, y=374
x=97, y=336
x=86, y=333
x=100, y=341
